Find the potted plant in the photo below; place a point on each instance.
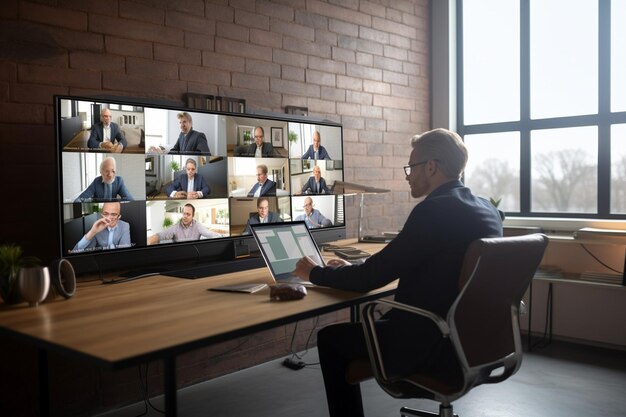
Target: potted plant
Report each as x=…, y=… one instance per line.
x=11, y=261
x=167, y=222
x=175, y=168
x=292, y=136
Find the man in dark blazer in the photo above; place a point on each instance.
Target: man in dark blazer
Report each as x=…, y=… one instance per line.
x=316, y=150
x=190, y=185
x=106, y=135
x=189, y=140
x=316, y=184
x=264, y=186
x=264, y=215
x=259, y=148
x=97, y=190
x=426, y=257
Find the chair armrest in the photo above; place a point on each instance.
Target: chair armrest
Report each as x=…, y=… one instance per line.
x=371, y=338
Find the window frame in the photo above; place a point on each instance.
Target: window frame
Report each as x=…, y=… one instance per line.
x=603, y=120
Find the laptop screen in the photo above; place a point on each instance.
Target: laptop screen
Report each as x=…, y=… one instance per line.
x=283, y=244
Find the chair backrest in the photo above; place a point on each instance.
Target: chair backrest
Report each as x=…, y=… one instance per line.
x=484, y=318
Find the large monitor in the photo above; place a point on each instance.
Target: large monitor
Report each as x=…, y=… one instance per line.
x=143, y=183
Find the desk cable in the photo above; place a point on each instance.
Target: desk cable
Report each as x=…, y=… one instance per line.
x=599, y=261
x=295, y=362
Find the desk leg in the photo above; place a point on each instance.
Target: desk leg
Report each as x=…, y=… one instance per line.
x=169, y=388
x=355, y=313
x=530, y=315
x=44, y=391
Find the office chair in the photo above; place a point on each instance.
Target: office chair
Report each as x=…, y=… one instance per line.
x=482, y=325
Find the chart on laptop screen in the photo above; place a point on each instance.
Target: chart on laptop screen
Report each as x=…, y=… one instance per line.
x=284, y=244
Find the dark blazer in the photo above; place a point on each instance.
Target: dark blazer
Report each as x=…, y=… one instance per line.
x=267, y=150
x=310, y=188
x=254, y=219
x=321, y=153
x=181, y=182
x=95, y=191
x=97, y=135
x=269, y=189
x=426, y=256
x=195, y=142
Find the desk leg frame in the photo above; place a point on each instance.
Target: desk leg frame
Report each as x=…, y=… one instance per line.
x=169, y=386
x=44, y=385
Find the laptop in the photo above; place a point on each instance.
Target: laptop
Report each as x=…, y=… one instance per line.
x=282, y=245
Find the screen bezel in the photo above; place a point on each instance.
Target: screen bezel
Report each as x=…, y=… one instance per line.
x=202, y=250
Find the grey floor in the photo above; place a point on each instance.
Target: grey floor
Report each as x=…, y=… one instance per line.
x=559, y=380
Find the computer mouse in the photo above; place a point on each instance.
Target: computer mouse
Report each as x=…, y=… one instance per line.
x=287, y=292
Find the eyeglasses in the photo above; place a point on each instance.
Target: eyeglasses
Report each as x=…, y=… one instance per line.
x=259, y=137
x=407, y=168
x=111, y=215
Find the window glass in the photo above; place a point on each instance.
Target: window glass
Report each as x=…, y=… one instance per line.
x=491, y=61
x=493, y=168
x=618, y=169
x=618, y=55
x=563, y=58
x=564, y=170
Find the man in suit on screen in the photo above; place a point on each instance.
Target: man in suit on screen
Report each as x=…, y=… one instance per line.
x=189, y=140
x=264, y=215
x=260, y=148
x=316, y=184
x=264, y=186
x=108, y=232
x=108, y=186
x=188, y=185
x=316, y=150
x=106, y=135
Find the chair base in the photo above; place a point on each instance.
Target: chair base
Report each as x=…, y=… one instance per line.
x=444, y=411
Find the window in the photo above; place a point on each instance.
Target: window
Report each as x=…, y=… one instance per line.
x=542, y=105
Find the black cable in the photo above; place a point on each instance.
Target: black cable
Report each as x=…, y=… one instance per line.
x=146, y=398
x=308, y=340
x=599, y=261
x=546, y=339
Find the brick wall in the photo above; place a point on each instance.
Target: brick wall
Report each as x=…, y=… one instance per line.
x=361, y=63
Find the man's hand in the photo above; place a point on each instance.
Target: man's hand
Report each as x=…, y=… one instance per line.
x=97, y=227
x=107, y=146
x=304, y=267
x=334, y=263
x=193, y=194
x=180, y=194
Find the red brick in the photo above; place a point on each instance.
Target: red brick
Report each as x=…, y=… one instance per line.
x=220, y=12
x=128, y=47
x=262, y=68
x=265, y=38
x=333, y=94
x=290, y=58
x=9, y=9
x=8, y=71
x=35, y=93
x=74, y=40
x=340, y=13
x=224, y=62
x=364, y=72
x=294, y=87
x=292, y=73
x=341, y=54
x=242, y=49
x=293, y=30
x=135, y=30
x=92, y=61
x=251, y=20
x=200, y=41
x=204, y=75
x=22, y=113
x=376, y=87
x=145, y=85
x=349, y=83
x=308, y=48
x=348, y=109
x=146, y=13
x=373, y=9
x=232, y=31
x=91, y=6
x=58, y=76
x=274, y=10
x=311, y=20
x=242, y=4
x=322, y=78
x=53, y=16
x=394, y=27
x=252, y=82
x=387, y=63
x=4, y=92
x=189, y=22
x=177, y=54
x=151, y=68
x=192, y=7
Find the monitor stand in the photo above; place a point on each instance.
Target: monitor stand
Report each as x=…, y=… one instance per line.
x=369, y=238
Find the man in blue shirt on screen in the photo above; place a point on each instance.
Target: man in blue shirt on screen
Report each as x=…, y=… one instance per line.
x=312, y=216
x=108, y=232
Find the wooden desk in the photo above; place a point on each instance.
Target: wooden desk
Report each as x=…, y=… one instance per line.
x=160, y=317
